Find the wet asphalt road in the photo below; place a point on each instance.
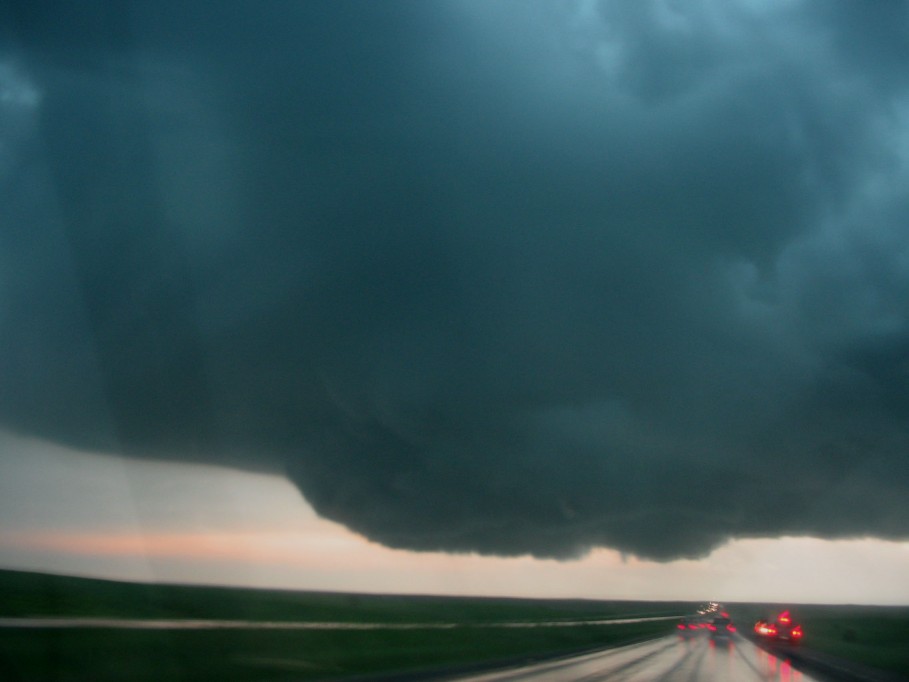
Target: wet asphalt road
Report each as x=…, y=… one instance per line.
x=670, y=659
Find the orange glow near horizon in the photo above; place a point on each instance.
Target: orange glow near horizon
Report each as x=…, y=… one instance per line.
x=323, y=555
x=193, y=545
x=97, y=515
x=327, y=546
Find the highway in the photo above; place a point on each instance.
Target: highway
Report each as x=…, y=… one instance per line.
x=670, y=659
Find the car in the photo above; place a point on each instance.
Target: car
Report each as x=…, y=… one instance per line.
x=784, y=628
x=688, y=626
x=721, y=627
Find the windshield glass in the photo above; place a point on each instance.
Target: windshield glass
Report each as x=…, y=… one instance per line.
x=590, y=299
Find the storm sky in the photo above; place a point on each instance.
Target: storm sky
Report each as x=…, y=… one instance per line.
x=502, y=277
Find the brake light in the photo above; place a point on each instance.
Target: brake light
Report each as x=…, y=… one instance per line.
x=680, y=626
x=711, y=627
x=797, y=632
x=785, y=617
x=731, y=628
x=764, y=628
x=692, y=627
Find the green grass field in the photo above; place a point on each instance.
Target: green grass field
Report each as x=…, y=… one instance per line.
x=874, y=636
x=474, y=635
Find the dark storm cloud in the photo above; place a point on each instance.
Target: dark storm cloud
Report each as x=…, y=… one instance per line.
x=501, y=277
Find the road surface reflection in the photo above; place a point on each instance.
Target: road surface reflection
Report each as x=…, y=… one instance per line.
x=670, y=659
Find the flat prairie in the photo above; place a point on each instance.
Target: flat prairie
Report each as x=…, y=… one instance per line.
x=57, y=627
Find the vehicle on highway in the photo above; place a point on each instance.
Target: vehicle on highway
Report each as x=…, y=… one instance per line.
x=721, y=627
x=689, y=626
x=784, y=628
x=709, y=609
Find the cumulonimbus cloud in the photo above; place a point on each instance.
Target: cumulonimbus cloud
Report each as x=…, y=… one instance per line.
x=477, y=276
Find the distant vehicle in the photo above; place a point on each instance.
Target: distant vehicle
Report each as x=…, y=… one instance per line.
x=784, y=628
x=709, y=608
x=721, y=627
x=689, y=626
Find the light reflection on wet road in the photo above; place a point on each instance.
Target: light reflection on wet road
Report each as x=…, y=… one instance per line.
x=671, y=659
x=209, y=624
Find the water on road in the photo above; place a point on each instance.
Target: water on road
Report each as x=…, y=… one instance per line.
x=670, y=659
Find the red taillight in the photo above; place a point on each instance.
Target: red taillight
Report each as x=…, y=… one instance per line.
x=731, y=628
x=692, y=627
x=797, y=632
x=711, y=627
x=785, y=617
x=725, y=615
x=680, y=626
